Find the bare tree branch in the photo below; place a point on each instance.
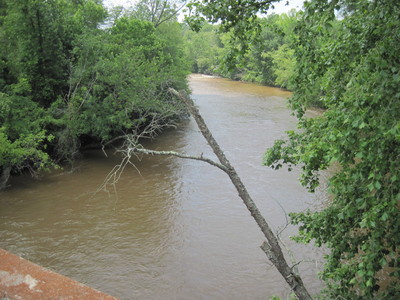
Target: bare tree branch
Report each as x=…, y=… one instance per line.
x=158, y=11
x=271, y=248
x=180, y=155
x=172, y=15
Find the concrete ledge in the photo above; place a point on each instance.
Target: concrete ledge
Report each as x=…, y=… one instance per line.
x=21, y=279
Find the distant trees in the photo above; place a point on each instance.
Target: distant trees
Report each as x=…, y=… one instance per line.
x=204, y=49
x=65, y=82
x=268, y=60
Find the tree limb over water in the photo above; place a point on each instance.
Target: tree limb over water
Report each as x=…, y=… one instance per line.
x=271, y=247
x=180, y=155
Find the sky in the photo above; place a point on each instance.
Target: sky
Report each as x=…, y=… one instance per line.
x=279, y=7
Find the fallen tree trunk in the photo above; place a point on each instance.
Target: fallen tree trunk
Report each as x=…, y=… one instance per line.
x=271, y=248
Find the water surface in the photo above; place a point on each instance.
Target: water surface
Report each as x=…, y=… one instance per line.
x=172, y=228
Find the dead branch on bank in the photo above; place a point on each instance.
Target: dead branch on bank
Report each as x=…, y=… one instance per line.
x=270, y=247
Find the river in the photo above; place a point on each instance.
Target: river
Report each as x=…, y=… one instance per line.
x=171, y=228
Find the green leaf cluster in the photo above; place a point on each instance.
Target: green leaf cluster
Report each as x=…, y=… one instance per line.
x=22, y=138
x=350, y=64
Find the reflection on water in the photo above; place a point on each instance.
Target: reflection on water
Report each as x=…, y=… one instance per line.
x=172, y=229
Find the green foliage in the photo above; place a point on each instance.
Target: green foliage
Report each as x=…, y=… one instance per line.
x=237, y=17
x=66, y=83
x=270, y=58
x=257, y=61
x=130, y=77
x=119, y=83
x=157, y=11
x=173, y=47
x=204, y=49
x=260, y=63
x=292, y=296
x=266, y=55
x=284, y=64
x=37, y=39
x=350, y=66
x=22, y=138
x=355, y=63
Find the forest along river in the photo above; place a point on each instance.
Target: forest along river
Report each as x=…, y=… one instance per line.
x=173, y=228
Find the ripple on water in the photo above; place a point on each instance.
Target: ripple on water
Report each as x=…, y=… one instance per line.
x=171, y=228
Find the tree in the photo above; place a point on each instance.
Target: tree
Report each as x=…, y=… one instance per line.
x=119, y=83
x=22, y=137
x=351, y=66
x=37, y=41
x=204, y=49
x=283, y=58
x=157, y=11
x=258, y=62
x=173, y=47
x=83, y=85
x=266, y=54
x=238, y=16
x=283, y=66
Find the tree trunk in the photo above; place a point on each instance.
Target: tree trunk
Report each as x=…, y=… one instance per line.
x=5, y=175
x=271, y=248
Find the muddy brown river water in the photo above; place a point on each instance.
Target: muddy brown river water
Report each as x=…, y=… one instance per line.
x=173, y=228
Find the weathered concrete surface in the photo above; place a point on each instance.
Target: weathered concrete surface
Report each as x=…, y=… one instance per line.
x=21, y=279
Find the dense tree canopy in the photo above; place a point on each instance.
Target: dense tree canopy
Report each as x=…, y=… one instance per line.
x=346, y=56
x=67, y=81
